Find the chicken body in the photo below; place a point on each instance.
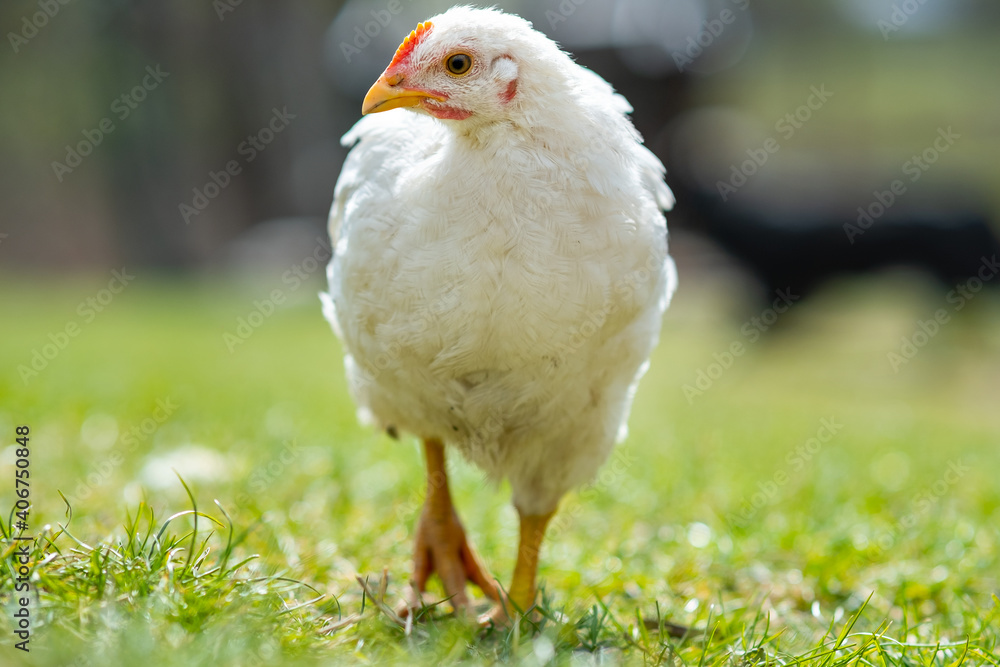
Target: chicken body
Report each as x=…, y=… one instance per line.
x=499, y=278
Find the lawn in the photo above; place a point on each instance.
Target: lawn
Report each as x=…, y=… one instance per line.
x=802, y=502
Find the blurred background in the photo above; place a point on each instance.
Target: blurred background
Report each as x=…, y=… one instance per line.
x=166, y=175
x=119, y=119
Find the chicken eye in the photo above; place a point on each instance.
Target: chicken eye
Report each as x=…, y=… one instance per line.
x=458, y=64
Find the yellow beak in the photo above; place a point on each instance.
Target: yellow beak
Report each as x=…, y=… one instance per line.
x=387, y=94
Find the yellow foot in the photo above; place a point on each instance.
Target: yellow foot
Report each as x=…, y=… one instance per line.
x=442, y=548
x=521, y=596
x=441, y=545
x=503, y=614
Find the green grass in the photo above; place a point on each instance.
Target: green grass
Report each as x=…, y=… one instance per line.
x=863, y=550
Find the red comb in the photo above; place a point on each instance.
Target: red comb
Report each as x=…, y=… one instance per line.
x=410, y=42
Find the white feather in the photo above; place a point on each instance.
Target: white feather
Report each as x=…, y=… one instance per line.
x=498, y=283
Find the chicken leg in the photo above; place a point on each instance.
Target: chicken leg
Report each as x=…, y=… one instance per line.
x=441, y=544
x=521, y=594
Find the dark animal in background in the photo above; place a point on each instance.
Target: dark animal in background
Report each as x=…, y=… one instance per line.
x=800, y=251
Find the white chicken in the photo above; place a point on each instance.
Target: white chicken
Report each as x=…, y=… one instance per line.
x=500, y=273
